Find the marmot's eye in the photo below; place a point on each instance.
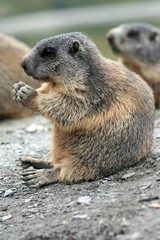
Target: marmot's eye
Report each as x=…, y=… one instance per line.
x=132, y=34
x=48, y=52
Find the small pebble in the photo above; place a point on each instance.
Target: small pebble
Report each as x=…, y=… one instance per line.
x=128, y=175
x=154, y=205
x=4, y=218
x=34, y=128
x=10, y=192
x=132, y=236
x=147, y=198
x=148, y=185
x=80, y=216
x=135, y=236
x=32, y=210
x=125, y=222
x=42, y=216
x=84, y=200
x=2, y=191
x=105, y=180
x=28, y=200
x=24, y=212
x=4, y=208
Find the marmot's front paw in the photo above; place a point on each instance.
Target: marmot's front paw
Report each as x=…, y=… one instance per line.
x=23, y=93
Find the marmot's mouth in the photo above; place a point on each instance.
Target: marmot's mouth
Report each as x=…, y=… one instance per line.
x=114, y=47
x=44, y=79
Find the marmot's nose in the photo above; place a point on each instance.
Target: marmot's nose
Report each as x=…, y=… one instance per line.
x=26, y=67
x=23, y=65
x=110, y=37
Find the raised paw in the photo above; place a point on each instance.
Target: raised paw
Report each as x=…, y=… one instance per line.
x=23, y=93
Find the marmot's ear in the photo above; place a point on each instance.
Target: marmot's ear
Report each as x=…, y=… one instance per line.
x=152, y=36
x=74, y=46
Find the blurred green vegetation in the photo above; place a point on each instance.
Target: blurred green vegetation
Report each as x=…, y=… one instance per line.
x=96, y=33
x=12, y=7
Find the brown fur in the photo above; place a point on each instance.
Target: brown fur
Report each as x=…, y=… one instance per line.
x=148, y=76
x=11, y=53
x=102, y=123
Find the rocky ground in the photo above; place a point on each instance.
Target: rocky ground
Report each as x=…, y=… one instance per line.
x=125, y=206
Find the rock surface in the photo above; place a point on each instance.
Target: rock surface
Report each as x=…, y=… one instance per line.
x=123, y=206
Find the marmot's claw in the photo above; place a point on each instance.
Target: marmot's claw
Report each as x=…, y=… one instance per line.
x=17, y=86
x=16, y=97
x=33, y=178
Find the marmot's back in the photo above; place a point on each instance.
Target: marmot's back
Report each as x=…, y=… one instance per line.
x=130, y=119
x=12, y=52
x=121, y=133
x=138, y=45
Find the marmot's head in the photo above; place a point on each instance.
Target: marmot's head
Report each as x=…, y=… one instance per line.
x=138, y=41
x=64, y=58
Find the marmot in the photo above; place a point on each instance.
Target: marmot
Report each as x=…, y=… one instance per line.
x=138, y=45
x=102, y=113
x=11, y=53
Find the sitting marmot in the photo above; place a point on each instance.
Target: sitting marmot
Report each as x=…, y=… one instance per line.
x=102, y=113
x=11, y=53
x=138, y=45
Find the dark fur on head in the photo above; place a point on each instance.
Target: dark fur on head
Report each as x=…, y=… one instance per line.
x=50, y=58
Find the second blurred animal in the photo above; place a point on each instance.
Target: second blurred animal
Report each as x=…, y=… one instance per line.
x=138, y=45
x=11, y=54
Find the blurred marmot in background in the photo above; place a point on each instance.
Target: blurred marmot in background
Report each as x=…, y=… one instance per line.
x=102, y=113
x=11, y=53
x=138, y=45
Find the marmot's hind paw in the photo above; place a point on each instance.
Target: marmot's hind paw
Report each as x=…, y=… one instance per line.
x=33, y=178
x=39, y=178
x=27, y=162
